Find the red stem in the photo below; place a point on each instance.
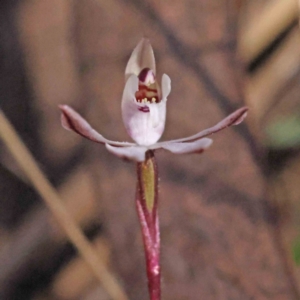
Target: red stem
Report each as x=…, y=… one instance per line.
x=150, y=227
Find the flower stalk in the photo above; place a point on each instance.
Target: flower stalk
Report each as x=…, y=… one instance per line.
x=144, y=114
x=146, y=203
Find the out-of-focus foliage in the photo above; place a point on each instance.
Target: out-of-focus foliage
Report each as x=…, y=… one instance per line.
x=284, y=132
x=296, y=251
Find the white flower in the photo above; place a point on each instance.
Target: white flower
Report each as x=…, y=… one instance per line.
x=144, y=113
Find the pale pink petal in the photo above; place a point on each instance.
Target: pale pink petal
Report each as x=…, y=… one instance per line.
x=135, y=153
x=165, y=86
x=233, y=119
x=131, y=87
x=71, y=120
x=141, y=57
x=197, y=146
x=243, y=114
x=145, y=127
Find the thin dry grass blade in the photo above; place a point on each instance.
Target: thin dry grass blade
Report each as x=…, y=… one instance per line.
x=56, y=206
x=277, y=16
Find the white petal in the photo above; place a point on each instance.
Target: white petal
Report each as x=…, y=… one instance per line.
x=131, y=87
x=155, y=114
x=145, y=128
x=141, y=57
x=165, y=86
x=71, y=120
x=135, y=153
x=185, y=148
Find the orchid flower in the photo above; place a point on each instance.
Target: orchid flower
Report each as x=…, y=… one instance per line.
x=144, y=113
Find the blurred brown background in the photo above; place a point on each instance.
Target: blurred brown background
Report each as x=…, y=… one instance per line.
x=229, y=217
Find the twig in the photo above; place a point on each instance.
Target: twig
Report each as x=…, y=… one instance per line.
x=54, y=203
